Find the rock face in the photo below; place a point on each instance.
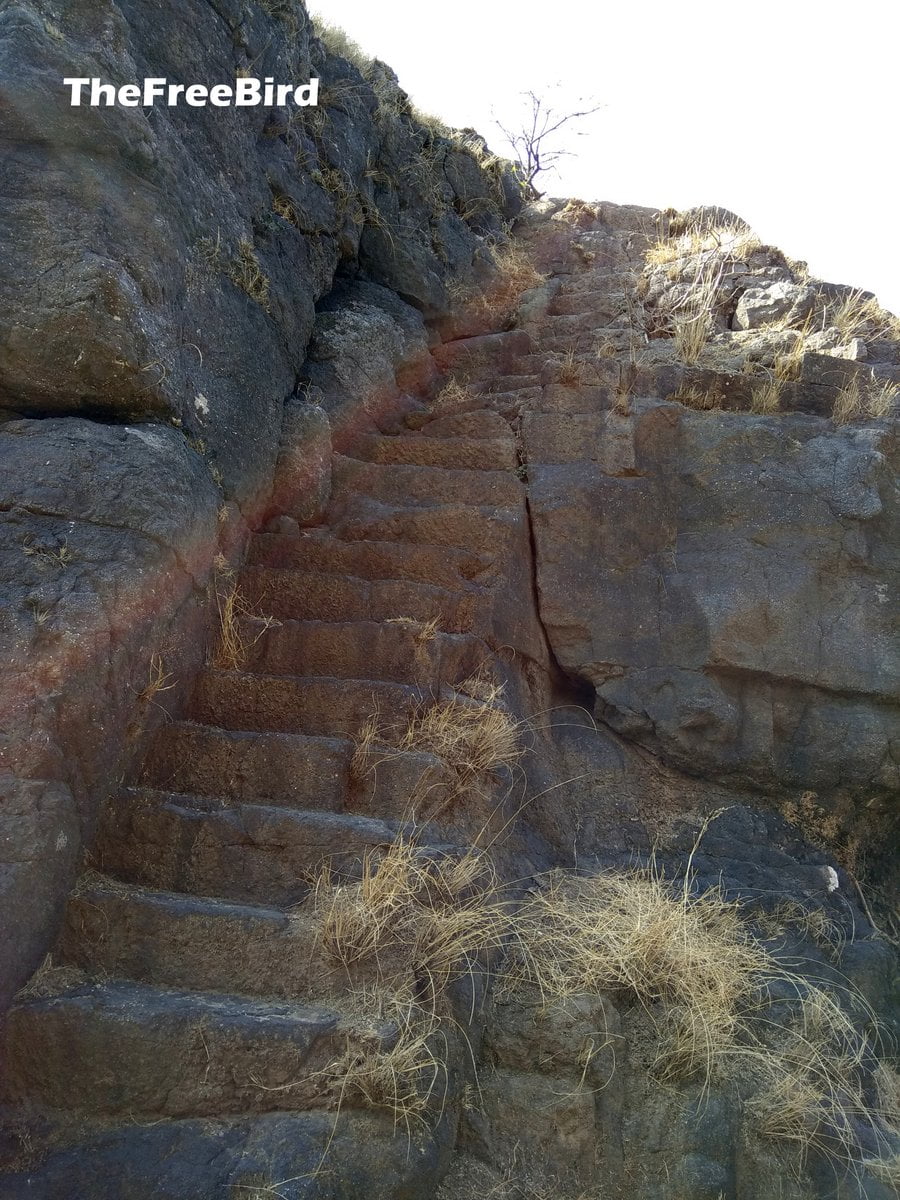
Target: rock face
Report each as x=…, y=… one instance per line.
x=272, y=510
x=428, y=545
x=159, y=272
x=732, y=599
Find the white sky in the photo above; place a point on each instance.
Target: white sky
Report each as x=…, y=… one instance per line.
x=785, y=111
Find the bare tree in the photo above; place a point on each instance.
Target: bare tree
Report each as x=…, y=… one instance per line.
x=532, y=138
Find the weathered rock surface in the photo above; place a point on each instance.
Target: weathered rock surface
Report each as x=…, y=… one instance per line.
x=159, y=275
x=583, y=518
x=732, y=600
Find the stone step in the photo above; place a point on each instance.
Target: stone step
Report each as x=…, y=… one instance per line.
x=476, y=422
x=484, y=356
x=291, y=704
x=401, y=484
x=191, y=943
x=508, y=405
x=439, y=566
x=597, y=306
x=269, y=1156
x=187, y=942
x=129, y=1050
x=508, y=383
x=477, y=454
x=401, y=650
x=253, y=853
x=581, y=343
x=292, y=770
x=458, y=525
x=301, y=595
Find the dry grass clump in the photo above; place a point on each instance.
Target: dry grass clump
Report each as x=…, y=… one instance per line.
x=49, y=980
x=337, y=42
x=853, y=401
x=402, y=1076
x=810, y=1086
x=707, y=985
x=513, y=274
x=788, y=366
x=765, y=397
x=471, y=730
x=61, y=555
x=882, y=398
x=860, y=315
x=692, y=236
x=570, y=369
x=814, y=924
x=516, y=273
x=692, y=327
x=453, y=397
x=237, y=618
x=246, y=273
x=160, y=680
x=412, y=919
x=701, y=399
x=411, y=916
x=688, y=959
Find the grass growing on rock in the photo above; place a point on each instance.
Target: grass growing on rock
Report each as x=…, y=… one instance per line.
x=471, y=730
x=854, y=401
x=707, y=986
x=240, y=628
x=411, y=916
x=860, y=315
x=766, y=396
x=513, y=273
x=415, y=922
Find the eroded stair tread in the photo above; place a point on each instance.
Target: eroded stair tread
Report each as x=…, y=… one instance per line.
x=291, y=770
x=472, y=453
x=455, y=525
x=470, y=419
x=172, y=940
x=439, y=566
x=297, y=595
x=401, y=650
x=296, y=704
x=129, y=1048
x=246, y=852
x=215, y=1158
x=405, y=484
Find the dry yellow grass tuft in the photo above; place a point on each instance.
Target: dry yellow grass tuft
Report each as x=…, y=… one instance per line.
x=706, y=984
x=882, y=398
x=860, y=315
x=765, y=397
x=693, y=236
x=336, y=41
x=160, y=680
x=513, y=274
x=849, y=404
x=634, y=931
x=412, y=915
x=246, y=273
x=692, y=319
x=701, y=399
x=237, y=619
x=471, y=730
x=403, y=1076
x=453, y=397
x=789, y=365
x=570, y=369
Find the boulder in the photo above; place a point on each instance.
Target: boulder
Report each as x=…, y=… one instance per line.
x=781, y=301
x=732, y=601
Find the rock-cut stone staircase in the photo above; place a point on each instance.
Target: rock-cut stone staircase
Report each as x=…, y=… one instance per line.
x=176, y=1046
